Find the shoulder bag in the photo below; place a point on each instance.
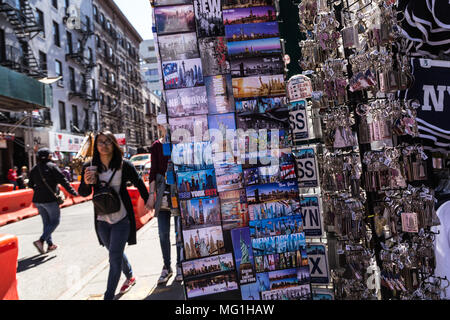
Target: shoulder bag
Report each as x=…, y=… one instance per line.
x=59, y=195
x=105, y=199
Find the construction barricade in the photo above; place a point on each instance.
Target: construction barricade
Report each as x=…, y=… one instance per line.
x=6, y=187
x=142, y=215
x=9, y=250
x=16, y=205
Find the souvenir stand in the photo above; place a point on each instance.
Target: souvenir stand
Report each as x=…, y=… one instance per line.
x=375, y=166
x=242, y=227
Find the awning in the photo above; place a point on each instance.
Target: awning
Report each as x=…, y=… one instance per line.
x=18, y=92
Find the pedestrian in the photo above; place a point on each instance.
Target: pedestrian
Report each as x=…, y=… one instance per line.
x=24, y=176
x=159, y=202
x=67, y=174
x=114, y=230
x=12, y=177
x=44, y=179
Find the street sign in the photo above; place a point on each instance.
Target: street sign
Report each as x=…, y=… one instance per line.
x=312, y=216
x=318, y=263
x=307, y=168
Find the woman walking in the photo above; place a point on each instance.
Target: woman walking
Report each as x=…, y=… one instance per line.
x=117, y=228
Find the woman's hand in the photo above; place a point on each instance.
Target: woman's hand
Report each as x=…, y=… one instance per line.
x=90, y=177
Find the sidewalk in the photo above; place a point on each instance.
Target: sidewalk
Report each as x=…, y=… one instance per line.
x=146, y=260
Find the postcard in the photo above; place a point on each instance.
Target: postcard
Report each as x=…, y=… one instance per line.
x=251, y=176
x=196, y=184
x=246, y=67
x=204, y=242
x=200, y=213
x=243, y=255
x=208, y=14
x=258, y=48
x=213, y=285
x=169, y=2
x=274, y=209
x=189, y=129
x=249, y=15
x=234, y=209
x=229, y=4
x=272, y=192
x=180, y=74
x=213, y=52
x=251, y=31
x=228, y=177
x=250, y=291
x=178, y=46
x=187, y=102
x=174, y=19
x=273, y=85
x=220, y=94
x=207, y=266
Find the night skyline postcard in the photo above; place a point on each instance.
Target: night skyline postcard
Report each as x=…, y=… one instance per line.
x=251, y=31
x=249, y=15
x=254, y=48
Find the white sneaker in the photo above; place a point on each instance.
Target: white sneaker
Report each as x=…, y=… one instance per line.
x=179, y=276
x=165, y=276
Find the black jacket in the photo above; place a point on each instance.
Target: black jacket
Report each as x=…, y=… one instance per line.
x=53, y=176
x=130, y=174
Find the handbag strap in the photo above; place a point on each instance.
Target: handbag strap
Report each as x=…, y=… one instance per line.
x=46, y=184
x=110, y=179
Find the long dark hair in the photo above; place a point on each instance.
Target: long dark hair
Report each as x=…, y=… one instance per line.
x=116, y=161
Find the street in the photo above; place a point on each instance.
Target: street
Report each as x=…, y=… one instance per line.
x=78, y=269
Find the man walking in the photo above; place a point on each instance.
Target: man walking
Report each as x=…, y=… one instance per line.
x=44, y=179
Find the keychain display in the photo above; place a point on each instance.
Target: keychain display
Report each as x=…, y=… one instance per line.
x=374, y=172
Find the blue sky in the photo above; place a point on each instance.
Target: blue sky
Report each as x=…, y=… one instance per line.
x=139, y=13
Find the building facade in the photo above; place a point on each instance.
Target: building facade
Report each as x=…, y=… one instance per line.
x=51, y=40
x=149, y=67
x=121, y=102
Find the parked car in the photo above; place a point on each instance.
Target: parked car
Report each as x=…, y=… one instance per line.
x=142, y=163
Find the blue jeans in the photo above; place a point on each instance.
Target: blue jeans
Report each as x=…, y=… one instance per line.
x=164, y=237
x=115, y=237
x=50, y=214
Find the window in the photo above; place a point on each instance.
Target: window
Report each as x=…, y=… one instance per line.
x=90, y=55
x=56, y=37
x=98, y=41
x=100, y=71
x=72, y=79
x=86, y=120
x=59, y=72
x=43, y=61
x=102, y=99
x=55, y=4
x=62, y=116
x=102, y=20
x=75, y=116
x=69, y=45
x=88, y=24
x=40, y=22
x=95, y=13
x=95, y=121
x=67, y=2
x=2, y=45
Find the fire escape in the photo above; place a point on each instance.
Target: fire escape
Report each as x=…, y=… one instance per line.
x=87, y=64
x=23, y=21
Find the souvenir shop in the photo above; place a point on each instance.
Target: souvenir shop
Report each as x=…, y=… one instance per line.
x=325, y=185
